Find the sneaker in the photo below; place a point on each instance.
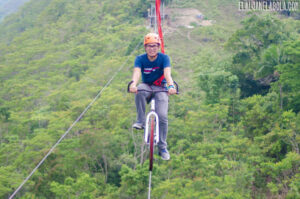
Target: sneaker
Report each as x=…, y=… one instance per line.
x=138, y=126
x=164, y=153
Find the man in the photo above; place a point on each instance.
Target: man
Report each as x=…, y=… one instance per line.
x=155, y=68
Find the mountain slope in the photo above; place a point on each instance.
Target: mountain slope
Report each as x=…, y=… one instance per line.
x=9, y=6
x=56, y=55
x=59, y=59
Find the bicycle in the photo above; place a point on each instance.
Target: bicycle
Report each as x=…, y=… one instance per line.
x=152, y=117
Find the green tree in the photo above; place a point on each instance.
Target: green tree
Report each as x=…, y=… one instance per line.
x=289, y=76
x=258, y=33
x=84, y=187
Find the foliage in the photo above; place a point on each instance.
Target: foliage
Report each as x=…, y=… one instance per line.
x=290, y=74
x=256, y=51
x=226, y=138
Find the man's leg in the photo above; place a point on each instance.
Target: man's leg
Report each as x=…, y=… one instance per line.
x=140, y=102
x=161, y=108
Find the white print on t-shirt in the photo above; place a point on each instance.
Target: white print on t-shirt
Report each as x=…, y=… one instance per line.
x=150, y=70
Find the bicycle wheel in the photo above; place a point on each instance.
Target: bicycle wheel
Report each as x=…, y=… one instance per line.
x=151, y=143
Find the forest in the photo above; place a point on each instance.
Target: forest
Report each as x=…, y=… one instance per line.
x=9, y=6
x=234, y=129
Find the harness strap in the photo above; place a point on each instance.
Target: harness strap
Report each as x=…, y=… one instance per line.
x=159, y=81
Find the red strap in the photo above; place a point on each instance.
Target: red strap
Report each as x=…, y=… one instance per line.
x=157, y=8
x=159, y=80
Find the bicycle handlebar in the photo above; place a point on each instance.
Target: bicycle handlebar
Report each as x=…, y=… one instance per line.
x=153, y=91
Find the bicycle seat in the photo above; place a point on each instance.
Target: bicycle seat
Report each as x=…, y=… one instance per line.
x=148, y=99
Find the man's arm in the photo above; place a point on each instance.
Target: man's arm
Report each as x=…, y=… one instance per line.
x=167, y=74
x=135, y=78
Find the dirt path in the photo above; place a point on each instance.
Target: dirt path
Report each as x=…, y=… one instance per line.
x=186, y=17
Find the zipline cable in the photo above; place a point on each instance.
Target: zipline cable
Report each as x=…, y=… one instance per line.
x=158, y=28
x=74, y=123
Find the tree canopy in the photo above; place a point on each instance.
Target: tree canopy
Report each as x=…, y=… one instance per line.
x=233, y=130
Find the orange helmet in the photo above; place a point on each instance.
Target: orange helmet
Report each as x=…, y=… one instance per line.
x=151, y=38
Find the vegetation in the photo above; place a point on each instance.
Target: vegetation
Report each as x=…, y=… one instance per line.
x=234, y=131
x=9, y=6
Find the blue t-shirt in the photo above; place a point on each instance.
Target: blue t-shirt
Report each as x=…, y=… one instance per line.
x=152, y=71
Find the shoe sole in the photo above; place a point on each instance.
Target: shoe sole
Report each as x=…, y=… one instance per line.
x=137, y=128
x=163, y=158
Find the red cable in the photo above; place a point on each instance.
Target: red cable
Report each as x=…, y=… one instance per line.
x=151, y=144
x=157, y=8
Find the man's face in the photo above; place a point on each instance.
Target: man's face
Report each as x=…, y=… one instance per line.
x=152, y=49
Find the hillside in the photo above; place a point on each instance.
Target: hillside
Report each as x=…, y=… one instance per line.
x=233, y=130
x=9, y=6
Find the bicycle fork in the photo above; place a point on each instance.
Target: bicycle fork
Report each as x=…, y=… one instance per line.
x=154, y=114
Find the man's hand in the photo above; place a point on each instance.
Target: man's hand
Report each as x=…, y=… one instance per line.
x=172, y=91
x=133, y=88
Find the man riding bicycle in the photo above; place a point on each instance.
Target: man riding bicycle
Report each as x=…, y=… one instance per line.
x=155, y=68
